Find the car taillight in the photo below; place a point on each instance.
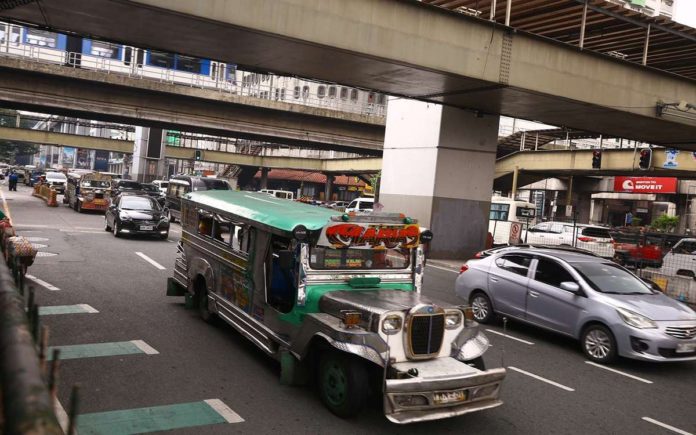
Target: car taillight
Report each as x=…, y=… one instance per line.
x=586, y=239
x=464, y=268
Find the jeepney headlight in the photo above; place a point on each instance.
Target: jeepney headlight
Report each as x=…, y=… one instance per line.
x=391, y=324
x=89, y=197
x=453, y=319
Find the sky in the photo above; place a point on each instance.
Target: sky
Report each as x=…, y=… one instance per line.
x=685, y=12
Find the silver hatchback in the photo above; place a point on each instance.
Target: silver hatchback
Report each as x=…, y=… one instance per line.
x=609, y=309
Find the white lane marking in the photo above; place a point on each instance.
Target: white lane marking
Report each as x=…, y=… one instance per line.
x=61, y=415
x=88, y=308
x=5, y=208
x=84, y=231
x=441, y=268
x=224, y=411
x=510, y=337
x=619, y=372
x=171, y=230
x=150, y=260
x=42, y=282
x=34, y=226
x=548, y=381
x=146, y=348
x=666, y=426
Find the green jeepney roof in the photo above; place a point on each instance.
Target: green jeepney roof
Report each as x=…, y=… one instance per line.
x=268, y=210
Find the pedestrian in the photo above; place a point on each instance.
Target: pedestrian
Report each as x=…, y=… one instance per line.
x=13, y=181
x=629, y=218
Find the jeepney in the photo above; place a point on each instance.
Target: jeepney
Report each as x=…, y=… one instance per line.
x=335, y=296
x=88, y=191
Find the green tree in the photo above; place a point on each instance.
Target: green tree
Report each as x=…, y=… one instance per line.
x=665, y=223
x=9, y=149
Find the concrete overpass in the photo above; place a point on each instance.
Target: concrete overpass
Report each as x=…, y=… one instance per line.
x=401, y=47
x=340, y=166
x=74, y=92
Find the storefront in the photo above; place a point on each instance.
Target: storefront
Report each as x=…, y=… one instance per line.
x=635, y=200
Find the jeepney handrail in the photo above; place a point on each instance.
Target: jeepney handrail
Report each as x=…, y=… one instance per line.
x=27, y=406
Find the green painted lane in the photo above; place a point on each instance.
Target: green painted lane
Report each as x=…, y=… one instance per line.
x=94, y=350
x=66, y=309
x=157, y=418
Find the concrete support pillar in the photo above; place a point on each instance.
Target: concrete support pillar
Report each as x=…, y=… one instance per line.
x=264, y=178
x=328, y=187
x=438, y=167
x=148, y=154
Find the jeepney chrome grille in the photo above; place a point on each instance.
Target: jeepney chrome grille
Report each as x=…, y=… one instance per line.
x=99, y=195
x=683, y=332
x=426, y=332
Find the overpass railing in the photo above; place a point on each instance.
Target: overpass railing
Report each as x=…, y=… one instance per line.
x=301, y=95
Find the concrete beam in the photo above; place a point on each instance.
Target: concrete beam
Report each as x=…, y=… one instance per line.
x=400, y=47
x=48, y=88
x=64, y=139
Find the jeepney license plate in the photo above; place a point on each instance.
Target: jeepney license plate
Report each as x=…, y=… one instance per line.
x=99, y=202
x=449, y=397
x=686, y=347
x=146, y=227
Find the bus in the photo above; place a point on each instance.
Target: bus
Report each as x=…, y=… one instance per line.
x=506, y=211
x=336, y=296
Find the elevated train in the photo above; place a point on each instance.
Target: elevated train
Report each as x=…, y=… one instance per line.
x=78, y=52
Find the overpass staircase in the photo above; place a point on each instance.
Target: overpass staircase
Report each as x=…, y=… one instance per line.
x=532, y=140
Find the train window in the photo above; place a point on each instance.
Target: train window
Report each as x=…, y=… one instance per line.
x=344, y=93
x=305, y=92
x=41, y=38
x=381, y=99
x=282, y=94
x=104, y=49
x=127, y=55
x=213, y=70
x=161, y=59
x=296, y=93
x=370, y=98
x=188, y=63
x=14, y=34
x=332, y=91
x=353, y=95
x=321, y=91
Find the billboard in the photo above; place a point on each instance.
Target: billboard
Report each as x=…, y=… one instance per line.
x=645, y=184
x=68, y=159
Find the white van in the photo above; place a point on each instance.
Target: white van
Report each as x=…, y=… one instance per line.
x=505, y=211
x=282, y=194
x=361, y=205
x=162, y=185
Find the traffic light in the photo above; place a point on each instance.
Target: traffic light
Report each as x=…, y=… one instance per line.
x=645, y=159
x=596, y=159
x=198, y=154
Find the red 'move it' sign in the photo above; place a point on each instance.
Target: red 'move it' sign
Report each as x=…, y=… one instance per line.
x=645, y=184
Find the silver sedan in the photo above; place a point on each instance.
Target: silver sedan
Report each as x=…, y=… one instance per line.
x=610, y=310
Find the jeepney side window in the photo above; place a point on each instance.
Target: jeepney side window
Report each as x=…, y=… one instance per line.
x=283, y=281
x=241, y=237
x=222, y=230
x=205, y=223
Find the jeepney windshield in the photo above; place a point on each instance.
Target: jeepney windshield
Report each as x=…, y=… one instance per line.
x=325, y=258
x=105, y=184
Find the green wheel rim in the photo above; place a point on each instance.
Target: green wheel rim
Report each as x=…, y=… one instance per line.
x=335, y=384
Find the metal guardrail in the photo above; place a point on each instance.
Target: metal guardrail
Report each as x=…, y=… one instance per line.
x=27, y=407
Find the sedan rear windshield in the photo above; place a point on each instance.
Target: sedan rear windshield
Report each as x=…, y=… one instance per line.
x=129, y=185
x=601, y=233
x=610, y=278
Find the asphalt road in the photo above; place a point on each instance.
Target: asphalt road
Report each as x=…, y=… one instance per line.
x=550, y=388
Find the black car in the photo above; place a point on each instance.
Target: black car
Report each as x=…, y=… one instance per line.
x=136, y=214
x=120, y=186
x=153, y=191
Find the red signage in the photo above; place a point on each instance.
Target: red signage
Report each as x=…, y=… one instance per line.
x=645, y=184
x=370, y=236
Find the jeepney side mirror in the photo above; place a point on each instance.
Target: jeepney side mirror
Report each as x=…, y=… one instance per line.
x=286, y=259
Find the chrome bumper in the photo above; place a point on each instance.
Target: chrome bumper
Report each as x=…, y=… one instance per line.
x=441, y=375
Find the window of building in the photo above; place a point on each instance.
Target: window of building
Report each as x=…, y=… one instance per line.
x=518, y=264
x=321, y=91
x=332, y=91
x=499, y=212
x=344, y=93
x=354, y=95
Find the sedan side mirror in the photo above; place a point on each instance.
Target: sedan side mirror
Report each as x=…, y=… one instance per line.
x=570, y=286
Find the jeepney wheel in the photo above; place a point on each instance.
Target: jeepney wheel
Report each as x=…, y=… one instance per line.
x=204, y=303
x=343, y=383
x=481, y=307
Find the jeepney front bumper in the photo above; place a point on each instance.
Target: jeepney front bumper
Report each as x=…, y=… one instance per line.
x=444, y=387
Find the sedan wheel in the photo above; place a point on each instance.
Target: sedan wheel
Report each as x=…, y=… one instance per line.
x=598, y=344
x=106, y=224
x=481, y=306
x=116, y=229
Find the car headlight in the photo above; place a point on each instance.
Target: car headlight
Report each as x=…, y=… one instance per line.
x=453, y=319
x=125, y=217
x=391, y=324
x=636, y=320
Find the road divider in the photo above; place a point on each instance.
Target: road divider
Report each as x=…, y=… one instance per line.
x=158, y=418
x=619, y=372
x=542, y=379
x=95, y=350
x=41, y=282
x=510, y=337
x=66, y=309
x=150, y=260
x=666, y=426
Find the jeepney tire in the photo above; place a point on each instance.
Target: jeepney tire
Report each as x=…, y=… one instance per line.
x=343, y=383
x=164, y=236
x=78, y=206
x=203, y=302
x=477, y=363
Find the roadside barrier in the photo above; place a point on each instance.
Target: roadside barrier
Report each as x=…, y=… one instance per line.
x=47, y=194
